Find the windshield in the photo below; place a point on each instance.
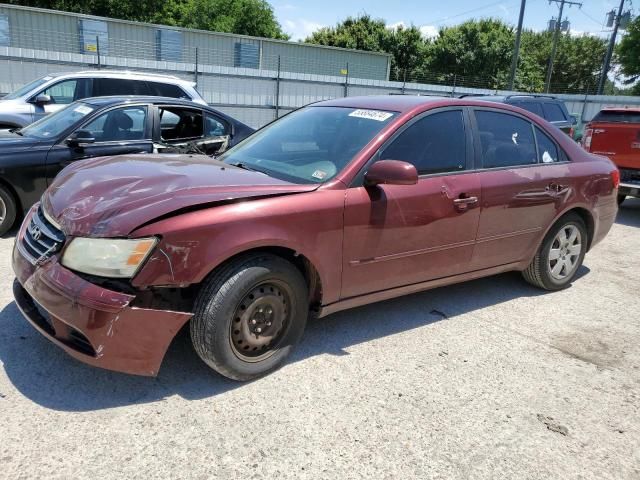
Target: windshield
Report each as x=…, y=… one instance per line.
x=56, y=123
x=27, y=88
x=310, y=145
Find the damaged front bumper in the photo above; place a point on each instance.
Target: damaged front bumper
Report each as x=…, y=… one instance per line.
x=92, y=324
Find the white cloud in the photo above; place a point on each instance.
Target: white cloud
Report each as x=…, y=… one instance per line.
x=397, y=25
x=429, y=31
x=299, y=29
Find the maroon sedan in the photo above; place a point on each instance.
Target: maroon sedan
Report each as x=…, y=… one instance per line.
x=339, y=204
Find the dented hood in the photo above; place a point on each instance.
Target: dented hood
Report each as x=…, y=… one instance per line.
x=112, y=196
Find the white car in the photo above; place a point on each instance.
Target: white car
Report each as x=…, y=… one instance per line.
x=53, y=92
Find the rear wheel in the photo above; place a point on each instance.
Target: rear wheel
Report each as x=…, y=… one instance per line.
x=249, y=316
x=621, y=199
x=560, y=255
x=7, y=210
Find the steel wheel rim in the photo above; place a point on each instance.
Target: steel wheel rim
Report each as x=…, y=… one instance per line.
x=260, y=321
x=564, y=253
x=3, y=210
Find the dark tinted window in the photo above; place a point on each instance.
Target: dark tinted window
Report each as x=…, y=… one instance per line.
x=617, y=116
x=166, y=90
x=506, y=140
x=547, y=149
x=435, y=143
x=104, y=87
x=533, y=107
x=126, y=123
x=553, y=112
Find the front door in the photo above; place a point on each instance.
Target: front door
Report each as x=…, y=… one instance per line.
x=62, y=94
x=524, y=180
x=397, y=235
x=119, y=131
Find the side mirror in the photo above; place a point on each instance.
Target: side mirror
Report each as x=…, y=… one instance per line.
x=391, y=172
x=80, y=137
x=42, y=99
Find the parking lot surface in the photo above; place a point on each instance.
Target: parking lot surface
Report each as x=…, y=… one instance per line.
x=487, y=379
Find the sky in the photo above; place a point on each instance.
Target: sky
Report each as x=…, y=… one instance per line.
x=299, y=18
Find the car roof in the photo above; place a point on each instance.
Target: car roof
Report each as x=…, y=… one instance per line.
x=393, y=103
x=124, y=99
x=122, y=74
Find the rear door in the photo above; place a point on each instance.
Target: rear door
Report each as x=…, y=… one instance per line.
x=117, y=131
x=616, y=134
x=523, y=175
x=397, y=235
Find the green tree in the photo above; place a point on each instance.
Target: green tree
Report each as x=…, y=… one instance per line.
x=628, y=54
x=406, y=44
x=478, y=53
x=246, y=17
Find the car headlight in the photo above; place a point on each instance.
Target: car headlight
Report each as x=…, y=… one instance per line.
x=107, y=257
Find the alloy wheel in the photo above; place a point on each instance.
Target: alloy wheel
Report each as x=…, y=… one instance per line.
x=564, y=254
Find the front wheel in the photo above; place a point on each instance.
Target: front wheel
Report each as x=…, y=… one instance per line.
x=559, y=257
x=7, y=210
x=249, y=316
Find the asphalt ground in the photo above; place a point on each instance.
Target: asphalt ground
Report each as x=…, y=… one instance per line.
x=487, y=379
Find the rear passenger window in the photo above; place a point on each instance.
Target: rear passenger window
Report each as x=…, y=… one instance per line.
x=506, y=140
x=547, y=149
x=433, y=144
x=553, y=112
x=533, y=107
x=166, y=90
x=104, y=87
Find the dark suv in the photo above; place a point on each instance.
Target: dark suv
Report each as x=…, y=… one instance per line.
x=550, y=108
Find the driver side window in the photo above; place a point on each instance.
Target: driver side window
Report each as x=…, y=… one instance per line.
x=119, y=124
x=434, y=144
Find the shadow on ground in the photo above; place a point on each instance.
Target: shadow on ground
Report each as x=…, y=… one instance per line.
x=46, y=375
x=629, y=213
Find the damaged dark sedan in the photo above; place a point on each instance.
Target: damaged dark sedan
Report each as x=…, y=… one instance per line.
x=31, y=157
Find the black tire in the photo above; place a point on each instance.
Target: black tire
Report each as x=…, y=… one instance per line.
x=621, y=199
x=7, y=210
x=225, y=303
x=539, y=272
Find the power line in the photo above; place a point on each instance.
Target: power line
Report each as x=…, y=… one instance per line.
x=445, y=19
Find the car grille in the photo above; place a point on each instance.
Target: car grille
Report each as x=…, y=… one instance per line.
x=41, y=238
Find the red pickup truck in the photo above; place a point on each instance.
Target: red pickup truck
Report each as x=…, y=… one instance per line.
x=615, y=133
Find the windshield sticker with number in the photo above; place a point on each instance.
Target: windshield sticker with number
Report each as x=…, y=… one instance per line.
x=376, y=115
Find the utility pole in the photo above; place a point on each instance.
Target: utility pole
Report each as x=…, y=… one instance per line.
x=516, y=48
x=556, y=35
x=612, y=43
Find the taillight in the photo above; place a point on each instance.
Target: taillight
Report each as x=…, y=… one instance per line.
x=586, y=139
x=615, y=177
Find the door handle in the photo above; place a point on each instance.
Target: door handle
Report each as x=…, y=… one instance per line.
x=463, y=203
x=556, y=188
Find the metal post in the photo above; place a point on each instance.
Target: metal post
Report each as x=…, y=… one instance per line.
x=584, y=104
x=346, y=82
x=607, y=57
x=404, y=80
x=556, y=34
x=453, y=89
x=195, y=69
x=98, y=50
x=278, y=90
x=516, y=48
